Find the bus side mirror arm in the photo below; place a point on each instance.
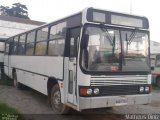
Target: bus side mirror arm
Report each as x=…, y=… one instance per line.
x=84, y=44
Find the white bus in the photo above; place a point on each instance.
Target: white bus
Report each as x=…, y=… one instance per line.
x=92, y=59
x=156, y=71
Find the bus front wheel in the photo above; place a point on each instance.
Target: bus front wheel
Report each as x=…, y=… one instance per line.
x=56, y=104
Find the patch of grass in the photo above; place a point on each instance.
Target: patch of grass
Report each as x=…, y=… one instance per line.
x=6, y=81
x=4, y=108
x=155, y=87
x=9, y=112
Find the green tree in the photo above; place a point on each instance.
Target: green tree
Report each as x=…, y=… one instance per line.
x=4, y=10
x=17, y=10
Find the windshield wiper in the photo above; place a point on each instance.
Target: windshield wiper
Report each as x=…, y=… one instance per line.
x=131, y=37
x=111, y=40
x=107, y=35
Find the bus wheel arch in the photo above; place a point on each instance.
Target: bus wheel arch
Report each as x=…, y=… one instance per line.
x=13, y=71
x=15, y=81
x=50, y=83
x=54, y=97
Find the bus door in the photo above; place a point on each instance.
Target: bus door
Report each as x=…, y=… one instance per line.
x=71, y=64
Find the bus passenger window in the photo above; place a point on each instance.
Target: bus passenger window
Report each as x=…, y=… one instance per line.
x=42, y=34
x=72, y=47
x=21, y=45
x=30, y=43
x=15, y=45
x=56, y=47
x=29, y=48
x=7, y=48
x=41, y=48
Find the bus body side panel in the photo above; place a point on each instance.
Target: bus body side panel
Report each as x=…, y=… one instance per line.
x=33, y=71
x=7, y=69
x=35, y=81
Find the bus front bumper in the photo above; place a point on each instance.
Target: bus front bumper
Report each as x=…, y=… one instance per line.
x=111, y=101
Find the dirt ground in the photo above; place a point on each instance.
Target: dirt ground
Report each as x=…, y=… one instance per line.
x=35, y=107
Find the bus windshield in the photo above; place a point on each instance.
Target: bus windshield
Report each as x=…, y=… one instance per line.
x=114, y=49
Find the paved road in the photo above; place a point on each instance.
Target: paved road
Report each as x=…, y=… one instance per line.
x=34, y=105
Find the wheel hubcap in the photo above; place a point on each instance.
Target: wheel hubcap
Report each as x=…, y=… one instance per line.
x=57, y=101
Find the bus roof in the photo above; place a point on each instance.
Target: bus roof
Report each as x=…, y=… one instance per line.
x=116, y=18
x=102, y=16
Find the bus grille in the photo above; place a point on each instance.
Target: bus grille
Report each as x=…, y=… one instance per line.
x=120, y=90
x=118, y=80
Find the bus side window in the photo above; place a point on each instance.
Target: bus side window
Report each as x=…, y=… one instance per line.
x=57, y=40
x=7, y=49
x=21, y=44
x=41, y=48
x=73, y=47
x=15, y=46
x=41, y=42
x=56, y=47
x=8, y=46
x=30, y=43
x=1, y=46
x=73, y=41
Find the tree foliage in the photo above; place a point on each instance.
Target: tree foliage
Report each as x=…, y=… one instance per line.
x=17, y=10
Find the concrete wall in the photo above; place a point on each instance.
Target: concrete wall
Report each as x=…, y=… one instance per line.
x=154, y=50
x=9, y=28
x=154, y=47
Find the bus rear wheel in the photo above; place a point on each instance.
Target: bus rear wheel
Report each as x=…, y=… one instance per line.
x=56, y=104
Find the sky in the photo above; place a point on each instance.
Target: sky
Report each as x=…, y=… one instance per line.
x=51, y=10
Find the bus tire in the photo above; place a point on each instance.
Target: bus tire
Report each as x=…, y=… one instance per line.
x=16, y=83
x=158, y=82
x=55, y=99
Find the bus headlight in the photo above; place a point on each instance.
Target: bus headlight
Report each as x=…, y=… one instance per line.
x=147, y=89
x=89, y=91
x=141, y=89
x=96, y=91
